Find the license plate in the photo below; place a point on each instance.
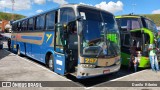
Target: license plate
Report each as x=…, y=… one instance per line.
x=91, y=60
x=106, y=71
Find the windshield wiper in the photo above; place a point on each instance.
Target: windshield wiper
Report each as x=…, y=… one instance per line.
x=103, y=45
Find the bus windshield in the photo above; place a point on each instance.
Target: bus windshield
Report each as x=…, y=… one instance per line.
x=149, y=25
x=100, y=35
x=127, y=24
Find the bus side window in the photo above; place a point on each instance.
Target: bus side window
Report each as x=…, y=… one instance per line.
x=30, y=24
x=14, y=27
x=24, y=25
x=19, y=26
x=126, y=41
x=50, y=21
x=40, y=22
x=67, y=15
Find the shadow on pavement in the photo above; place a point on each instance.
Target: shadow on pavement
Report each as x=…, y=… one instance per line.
x=3, y=53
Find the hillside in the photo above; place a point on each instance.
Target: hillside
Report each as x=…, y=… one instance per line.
x=8, y=16
x=154, y=17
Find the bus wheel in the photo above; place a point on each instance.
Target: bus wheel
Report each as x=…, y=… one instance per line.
x=18, y=51
x=51, y=62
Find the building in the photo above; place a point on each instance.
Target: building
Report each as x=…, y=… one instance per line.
x=3, y=24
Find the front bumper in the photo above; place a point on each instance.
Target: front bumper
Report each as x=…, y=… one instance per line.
x=92, y=72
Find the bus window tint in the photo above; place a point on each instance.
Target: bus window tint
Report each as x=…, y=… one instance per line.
x=24, y=25
x=14, y=28
x=149, y=24
x=50, y=21
x=40, y=20
x=129, y=24
x=30, y=24
x=67, y=14
x=19, y=26
x=126, y=40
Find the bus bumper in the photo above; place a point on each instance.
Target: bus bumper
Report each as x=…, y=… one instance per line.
x=93, y=72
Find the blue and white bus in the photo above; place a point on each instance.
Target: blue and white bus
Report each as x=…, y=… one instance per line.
x=73, y=39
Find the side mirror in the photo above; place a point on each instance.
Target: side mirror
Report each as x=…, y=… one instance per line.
x=80, y=27
x=80, y=24
x=80, y=18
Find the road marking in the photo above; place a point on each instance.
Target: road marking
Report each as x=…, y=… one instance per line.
x=115, y=79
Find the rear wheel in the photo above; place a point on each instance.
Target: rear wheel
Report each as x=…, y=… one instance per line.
x=18, y=51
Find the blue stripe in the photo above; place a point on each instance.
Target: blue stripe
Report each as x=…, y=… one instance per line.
x=31, y=37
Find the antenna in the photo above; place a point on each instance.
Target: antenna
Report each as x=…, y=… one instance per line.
x=12, y=8
x=133, y=8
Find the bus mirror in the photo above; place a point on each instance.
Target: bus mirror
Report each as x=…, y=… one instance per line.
x=79, y=18
x=80, y=27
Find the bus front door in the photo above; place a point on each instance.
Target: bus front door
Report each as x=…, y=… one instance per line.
x=59, y=63
x=59, y=56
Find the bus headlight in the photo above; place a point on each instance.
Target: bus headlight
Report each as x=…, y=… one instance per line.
x=88, y=65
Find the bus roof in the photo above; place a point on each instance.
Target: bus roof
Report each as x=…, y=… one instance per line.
x=131, y=16
x=87, y=6
x=65, y=5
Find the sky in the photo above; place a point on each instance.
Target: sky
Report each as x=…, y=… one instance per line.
x=117, y=7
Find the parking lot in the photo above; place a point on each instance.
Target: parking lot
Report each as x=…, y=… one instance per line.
x=16, y=68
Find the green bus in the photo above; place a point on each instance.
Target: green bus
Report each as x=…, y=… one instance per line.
x=136, y=31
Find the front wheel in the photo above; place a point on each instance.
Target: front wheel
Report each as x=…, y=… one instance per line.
x=51, y=62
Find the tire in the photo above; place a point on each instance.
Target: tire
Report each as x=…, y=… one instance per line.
x=18, y=51
x=51, y=62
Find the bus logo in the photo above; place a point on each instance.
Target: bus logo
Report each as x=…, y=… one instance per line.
x=48, y=36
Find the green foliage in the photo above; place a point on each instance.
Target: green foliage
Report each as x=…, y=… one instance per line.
x=154, y=17
x=8, y=16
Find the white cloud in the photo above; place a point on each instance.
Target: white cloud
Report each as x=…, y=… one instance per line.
x=60, y=2
x=39, y=11
x=85, y=4
x=156, y=11
x=18, y=5
x=111, y=6
x=39, y=1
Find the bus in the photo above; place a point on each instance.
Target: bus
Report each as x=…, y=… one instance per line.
x=136, y=32
x=74, y=39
